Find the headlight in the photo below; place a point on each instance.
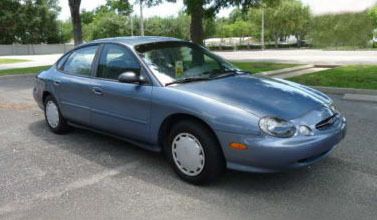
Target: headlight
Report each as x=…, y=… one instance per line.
x=277, y=127
x=305, y=130
x=333, y=108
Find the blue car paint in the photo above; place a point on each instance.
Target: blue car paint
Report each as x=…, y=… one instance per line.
x=260, y=96
x=231, y=107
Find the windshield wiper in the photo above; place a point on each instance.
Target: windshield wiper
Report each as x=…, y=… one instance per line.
x=212, y=75
x=186, y=80
x=224, y=73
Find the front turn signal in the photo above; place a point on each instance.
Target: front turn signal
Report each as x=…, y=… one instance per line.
x=238, y=146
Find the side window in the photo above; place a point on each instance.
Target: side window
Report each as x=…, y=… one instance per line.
x=80, y=61
x=61, y=62
x=116, y=60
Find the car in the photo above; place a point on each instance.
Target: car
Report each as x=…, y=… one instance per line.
x=173, y=96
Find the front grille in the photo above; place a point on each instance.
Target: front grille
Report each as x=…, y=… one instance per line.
x=328, y=122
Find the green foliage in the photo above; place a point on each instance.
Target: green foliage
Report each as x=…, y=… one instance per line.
x=8, y=20
x=29, y=21
x=290, y=17
x=342, y=30
x=105, y=25
x=87, y=17
x=171, y=26
x=373, y=15
x=105, y=22
x=120, y=7
x=238, y=28
x=65, y=29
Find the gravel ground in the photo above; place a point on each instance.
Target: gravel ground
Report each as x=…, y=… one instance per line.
x=83, y=175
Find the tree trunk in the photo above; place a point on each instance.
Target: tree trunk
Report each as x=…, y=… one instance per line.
x=196, y=26
x=141, y=18
x=74, y=6
x=276, y=41
x=298, y=38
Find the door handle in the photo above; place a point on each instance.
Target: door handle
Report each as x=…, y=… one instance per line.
x=97, y=91
x=56, y=83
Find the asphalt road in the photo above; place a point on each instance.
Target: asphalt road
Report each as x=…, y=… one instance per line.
x=83, y=175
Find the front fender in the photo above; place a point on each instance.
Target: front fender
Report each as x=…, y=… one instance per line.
x=167, y=101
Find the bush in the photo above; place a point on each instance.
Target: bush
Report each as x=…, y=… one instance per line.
x=342, y=30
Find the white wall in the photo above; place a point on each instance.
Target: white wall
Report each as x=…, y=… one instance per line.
x=32, y=49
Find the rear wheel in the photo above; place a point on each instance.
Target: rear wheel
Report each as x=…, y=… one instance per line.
x=194, y=152
x=54, y=119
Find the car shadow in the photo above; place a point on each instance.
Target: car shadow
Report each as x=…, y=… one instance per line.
x=153, y=169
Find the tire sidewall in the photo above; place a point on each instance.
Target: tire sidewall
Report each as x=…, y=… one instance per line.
x=214, y=161
x=62, y=126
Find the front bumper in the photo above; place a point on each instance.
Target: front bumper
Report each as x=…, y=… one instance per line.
x=267, y=154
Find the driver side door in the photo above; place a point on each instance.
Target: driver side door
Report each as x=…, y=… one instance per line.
x=122, y=109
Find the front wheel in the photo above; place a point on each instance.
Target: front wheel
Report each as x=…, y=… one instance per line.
x=193, y=151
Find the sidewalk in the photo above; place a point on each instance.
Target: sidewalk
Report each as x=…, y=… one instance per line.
x=304, y=56
x=300, y=72
x=294, y=71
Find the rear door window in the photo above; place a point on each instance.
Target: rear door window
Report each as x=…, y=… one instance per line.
x=80, y=61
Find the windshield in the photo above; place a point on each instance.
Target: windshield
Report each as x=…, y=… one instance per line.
x=175, y=61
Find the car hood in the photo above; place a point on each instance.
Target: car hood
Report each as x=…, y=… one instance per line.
x=260, y=96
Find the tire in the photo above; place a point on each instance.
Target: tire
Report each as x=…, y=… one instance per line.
x=54, y=119
x=208, y=162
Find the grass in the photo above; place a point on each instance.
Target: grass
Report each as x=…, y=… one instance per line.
x=257, y=67
x=36, y=69
x=356, y=76
x=7, y=61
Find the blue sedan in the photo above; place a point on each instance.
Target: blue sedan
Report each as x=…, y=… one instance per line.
x=204, y=114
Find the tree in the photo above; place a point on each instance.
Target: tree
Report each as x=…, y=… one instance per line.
x=289, y=17
x=108, y=20
x=29, y=21
x=148, y=3
x=199, y=9
x=120, y=7
x=87, y=17
x=170, y=26
x=108, y=25
x=9, y=20
x=297, y=20
x=342, y=30
x=74, y=6
x=65, y=31
x=373, y=15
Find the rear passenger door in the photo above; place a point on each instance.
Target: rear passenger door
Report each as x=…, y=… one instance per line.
x=73, y=86
x=120, y=108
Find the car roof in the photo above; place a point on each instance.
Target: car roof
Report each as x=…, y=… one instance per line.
x=136, y=40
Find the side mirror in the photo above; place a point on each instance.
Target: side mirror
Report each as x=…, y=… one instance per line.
x=131, y=77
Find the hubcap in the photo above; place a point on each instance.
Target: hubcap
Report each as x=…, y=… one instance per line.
x=188, y=154
x=52, y=114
